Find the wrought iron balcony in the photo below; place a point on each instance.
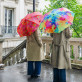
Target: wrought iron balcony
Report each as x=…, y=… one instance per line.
x=9, y=30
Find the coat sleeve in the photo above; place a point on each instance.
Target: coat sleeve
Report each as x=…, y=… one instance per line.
x=67, y=33
x=38, y=37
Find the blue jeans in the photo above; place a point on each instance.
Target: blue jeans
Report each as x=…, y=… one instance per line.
x=59, y=75
x=34, y=68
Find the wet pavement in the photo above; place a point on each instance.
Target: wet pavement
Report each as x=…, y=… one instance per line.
x=18, y=73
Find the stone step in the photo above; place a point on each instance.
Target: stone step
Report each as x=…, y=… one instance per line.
x=76, y=66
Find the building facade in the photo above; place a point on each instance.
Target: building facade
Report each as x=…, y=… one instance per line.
x=11, y=12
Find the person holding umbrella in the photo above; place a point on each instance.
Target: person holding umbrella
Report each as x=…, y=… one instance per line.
x=34, y=54
x=29, y=27
x=60, y=58
x=57, y=23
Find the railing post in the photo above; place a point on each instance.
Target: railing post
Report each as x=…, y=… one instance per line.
x=21, y=54
x=0, y=17
x=1, y=41
x=47, y=49
x=13, y=61
x=76, y=53
x=24, y=53
x=17, y=59
x=80, y=51
x=44, y=48
x=1, y=65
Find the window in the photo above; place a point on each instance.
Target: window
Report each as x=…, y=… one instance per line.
x=8, y=20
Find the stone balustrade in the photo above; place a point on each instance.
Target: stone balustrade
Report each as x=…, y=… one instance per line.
x=18, y=54
x=76, y=44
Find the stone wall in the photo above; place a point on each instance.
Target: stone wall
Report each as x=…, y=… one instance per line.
x=19, y=7
x=10, y=43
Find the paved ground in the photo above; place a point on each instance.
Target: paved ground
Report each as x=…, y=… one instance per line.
x=17, y=73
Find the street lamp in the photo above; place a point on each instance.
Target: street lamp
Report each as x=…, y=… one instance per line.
x=33, y=5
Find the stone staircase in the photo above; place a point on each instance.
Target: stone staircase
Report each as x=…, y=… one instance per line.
x=16, y=55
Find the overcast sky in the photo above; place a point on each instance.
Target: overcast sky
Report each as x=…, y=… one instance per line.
x=42, y=4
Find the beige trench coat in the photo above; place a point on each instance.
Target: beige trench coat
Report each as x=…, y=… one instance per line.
x=34, y=47
x=60, y=57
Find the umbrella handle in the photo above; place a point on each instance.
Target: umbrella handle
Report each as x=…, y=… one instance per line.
x=76, y=31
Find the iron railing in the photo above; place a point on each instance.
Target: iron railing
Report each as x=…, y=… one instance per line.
x=12, y=30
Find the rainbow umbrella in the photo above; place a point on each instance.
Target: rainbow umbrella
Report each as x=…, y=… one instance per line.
x=57, y=20
x=29, y=24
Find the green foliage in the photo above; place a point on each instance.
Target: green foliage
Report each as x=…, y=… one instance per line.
x=80, y=58
x=72, y=56
x=73, y=6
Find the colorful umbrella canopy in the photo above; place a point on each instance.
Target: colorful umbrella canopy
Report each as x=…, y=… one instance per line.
x=57, y=20
x=29, y=24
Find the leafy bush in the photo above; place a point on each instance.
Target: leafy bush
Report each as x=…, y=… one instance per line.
x=80, y=58
x=72, y=57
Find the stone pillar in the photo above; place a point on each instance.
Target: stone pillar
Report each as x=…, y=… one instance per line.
x=81, y=48
x=44, y=47
x=75, y=52
x=0, y=17
x=24, y=50
x=1, y=65
x=21, y=54
x=1, y=41
x=47, y=51
x=80, y=53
